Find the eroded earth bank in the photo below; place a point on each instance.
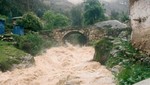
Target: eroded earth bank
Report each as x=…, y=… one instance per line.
x=61, y=66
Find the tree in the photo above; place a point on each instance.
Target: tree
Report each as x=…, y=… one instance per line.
x=93, y=12
x=115, y=15
x=31, y=22
x=49, y=19
x=123, y=17
x=18, y=7
x=54, y=20
x=61, y=20
x=77, y=16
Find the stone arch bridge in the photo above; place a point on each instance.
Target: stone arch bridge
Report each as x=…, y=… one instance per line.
x=91, y=33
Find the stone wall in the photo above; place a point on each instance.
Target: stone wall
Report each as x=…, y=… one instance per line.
x=140, y=22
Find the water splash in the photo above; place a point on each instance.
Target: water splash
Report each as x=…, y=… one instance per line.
x=69, y=65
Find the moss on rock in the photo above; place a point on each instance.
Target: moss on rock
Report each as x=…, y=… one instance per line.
x=102, y=50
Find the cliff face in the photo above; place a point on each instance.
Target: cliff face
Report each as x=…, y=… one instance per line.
x=140, y=22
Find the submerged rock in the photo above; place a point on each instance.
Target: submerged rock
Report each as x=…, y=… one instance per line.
x=25, y=62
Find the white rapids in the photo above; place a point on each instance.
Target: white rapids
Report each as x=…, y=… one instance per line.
x=69, y=65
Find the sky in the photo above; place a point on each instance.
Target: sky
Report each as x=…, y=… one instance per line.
x=79, y=1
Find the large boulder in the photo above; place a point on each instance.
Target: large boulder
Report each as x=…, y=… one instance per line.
x=112, y=27
x=114, y=24
x=140, y=22
x=144, y=82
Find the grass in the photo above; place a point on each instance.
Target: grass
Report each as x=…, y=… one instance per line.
x=132, y=74
x=9, y=55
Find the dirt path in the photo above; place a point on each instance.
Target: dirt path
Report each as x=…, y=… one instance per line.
x=61, y=66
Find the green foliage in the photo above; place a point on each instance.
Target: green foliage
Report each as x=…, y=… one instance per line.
x=31, y=43
x=123, y=17
x=114, y=15
x=3, y=17
x=93, y=12
x=54, y=20
x=77, y=16
x=132, y=74
x=135, y=64
x=9, y=55
x=61, y=21
x=31, y=21
x=13, y=8
x=49, y=19
x=102, y=49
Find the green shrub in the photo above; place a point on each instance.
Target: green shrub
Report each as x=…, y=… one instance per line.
x=132, y=74
x=31, y=22
x=121, y=52
x=135, y=65
x=3, y=17
x=55, y=20
x=31, y=43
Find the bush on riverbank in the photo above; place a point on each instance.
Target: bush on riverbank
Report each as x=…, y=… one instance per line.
x=135, y=66
x=33, y=43
x=128, y=64
x=9, y=55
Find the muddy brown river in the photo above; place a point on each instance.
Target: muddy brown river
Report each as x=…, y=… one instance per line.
x=69, y=65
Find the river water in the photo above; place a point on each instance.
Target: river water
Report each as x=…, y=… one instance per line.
x=70, y=65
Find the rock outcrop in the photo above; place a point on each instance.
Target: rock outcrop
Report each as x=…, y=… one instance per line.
x=114, y=24
x=140, y=19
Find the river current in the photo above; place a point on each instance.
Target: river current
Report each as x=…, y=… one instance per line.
x=66, y=65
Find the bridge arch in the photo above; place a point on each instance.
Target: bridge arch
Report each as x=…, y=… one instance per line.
x=84, y=37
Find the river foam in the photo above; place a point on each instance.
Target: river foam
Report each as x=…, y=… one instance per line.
x=70, y=65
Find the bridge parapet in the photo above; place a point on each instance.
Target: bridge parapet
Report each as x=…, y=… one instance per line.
x=90, y=33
